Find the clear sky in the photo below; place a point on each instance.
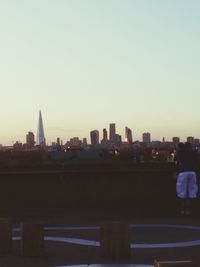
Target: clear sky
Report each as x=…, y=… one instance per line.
x=87, y=63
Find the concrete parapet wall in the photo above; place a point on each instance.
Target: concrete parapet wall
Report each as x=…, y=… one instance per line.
x=140, y=190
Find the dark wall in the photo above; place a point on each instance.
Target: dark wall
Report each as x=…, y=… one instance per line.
x=121, y=188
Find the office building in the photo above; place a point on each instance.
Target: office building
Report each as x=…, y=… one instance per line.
x=146, y=138
x=190, y=139
x=94, y=136
x=196, y=142
x=105, y=134
x=18, y=146
x=58, y=141
x=128, y=135
x=176, y=141
x=84, y=142
x=112, y=132
x=118, y=139
x=40, y=131
x=30, y=140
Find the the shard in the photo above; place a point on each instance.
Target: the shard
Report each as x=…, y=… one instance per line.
x=40, y=131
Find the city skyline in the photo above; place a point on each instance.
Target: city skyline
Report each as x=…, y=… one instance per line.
x=96, y=136
x=88, y=63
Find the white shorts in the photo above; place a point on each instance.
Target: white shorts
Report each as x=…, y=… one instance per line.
x=186, y=185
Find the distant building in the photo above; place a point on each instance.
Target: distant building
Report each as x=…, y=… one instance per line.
x=196, y=142
x=74, y=142
x=105, y=134
x=128, y=135
x=84, y=142
x=57, y=145
x=40, y=131
x=190, y=139
x=112, y=132
x=58, y=141
x=105, y=142
x=176, y=141
x=146, y=138
x=30, y=140
x=17, y=146
x=94, y=136
x=118, y=139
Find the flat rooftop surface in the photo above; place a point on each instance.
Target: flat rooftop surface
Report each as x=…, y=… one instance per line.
x=75, y=241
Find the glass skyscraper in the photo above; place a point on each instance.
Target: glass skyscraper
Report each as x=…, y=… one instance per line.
x=40, y=131
x=112, y=132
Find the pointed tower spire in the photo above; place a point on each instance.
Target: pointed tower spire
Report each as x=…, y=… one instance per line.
x=40, y=131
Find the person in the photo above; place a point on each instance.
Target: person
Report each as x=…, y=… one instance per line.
x=186, y=185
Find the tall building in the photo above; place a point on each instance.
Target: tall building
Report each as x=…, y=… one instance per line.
x=112, y=132
x=40, y=131
x=58, y=141
x=118, y=139
x=85, y=142
x=104, y=141
x=30, y=140
x=190, y=139
x=176, y=141
x=146, y=138
x=94, y=136
x=196, y=141
x=128, y=135
x=105, y=134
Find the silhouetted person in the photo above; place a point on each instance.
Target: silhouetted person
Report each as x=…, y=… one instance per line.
x=186, y=185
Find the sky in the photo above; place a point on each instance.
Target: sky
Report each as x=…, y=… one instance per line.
x=88, y=63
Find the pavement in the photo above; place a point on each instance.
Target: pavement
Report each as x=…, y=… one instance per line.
x=74, y=241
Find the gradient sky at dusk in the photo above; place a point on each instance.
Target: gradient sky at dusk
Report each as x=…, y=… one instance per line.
x=87, y=63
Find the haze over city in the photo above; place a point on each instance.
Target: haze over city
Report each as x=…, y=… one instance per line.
x=89, y=63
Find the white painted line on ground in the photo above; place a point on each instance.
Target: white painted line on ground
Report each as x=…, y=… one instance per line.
x=84, y=242
x=72, y=228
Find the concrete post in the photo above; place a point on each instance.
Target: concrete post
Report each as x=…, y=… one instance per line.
x=5, y=235
x=32, y=242
x=115, y=241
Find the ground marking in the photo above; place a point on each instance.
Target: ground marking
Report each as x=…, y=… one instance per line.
x=79, y=241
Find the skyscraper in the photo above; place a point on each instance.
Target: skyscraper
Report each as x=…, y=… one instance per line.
x=112, y=132
x=40, y=131
x=30, y=140
x=128, y=135
x=94, y=136
x=146, y=138
x=190, y=139
x=175, y=141
x=105, y=134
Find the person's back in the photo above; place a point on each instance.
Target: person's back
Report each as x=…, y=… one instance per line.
x=186, y=185
x=187, y=158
